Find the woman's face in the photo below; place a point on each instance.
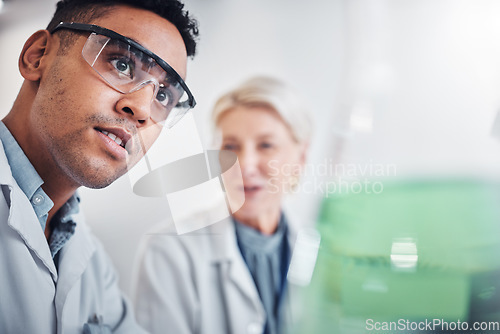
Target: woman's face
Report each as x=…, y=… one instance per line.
x=269, y=157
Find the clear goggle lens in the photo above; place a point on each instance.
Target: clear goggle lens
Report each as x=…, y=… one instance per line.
x=128, y=69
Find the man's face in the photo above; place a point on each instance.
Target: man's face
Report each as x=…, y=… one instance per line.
x=76, y=116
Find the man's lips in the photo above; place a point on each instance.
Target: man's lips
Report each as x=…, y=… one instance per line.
x=119, y=135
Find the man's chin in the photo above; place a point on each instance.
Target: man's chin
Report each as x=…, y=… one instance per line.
x=100, y=182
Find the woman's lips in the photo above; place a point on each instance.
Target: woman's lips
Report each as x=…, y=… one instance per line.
x=251, y=190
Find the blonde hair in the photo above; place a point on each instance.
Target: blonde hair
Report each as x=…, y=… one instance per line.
x=269, y=93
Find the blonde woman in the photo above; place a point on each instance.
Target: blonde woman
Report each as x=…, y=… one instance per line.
x=230, y=277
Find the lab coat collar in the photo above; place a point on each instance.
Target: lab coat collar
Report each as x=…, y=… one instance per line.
x=74, y=256
x=228, y=250
x=23, y=219
x=231, y=264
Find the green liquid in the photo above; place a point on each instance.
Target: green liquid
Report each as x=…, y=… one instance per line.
x=418, y=250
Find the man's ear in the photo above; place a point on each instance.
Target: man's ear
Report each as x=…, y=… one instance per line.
x=34, y=50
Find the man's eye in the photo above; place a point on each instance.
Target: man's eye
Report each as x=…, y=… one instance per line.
x=161, y=96
x=122, y=66
x=164, y=96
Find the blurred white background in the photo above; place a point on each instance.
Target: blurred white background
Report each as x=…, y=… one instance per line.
x=413, y=83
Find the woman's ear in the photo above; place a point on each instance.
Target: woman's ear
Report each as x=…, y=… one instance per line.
x=304, y=148
x=34, y=50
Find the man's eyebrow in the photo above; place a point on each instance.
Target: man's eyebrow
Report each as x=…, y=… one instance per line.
x=133, y=40
x=129, y=38
x=140, y=51
x=137, y=42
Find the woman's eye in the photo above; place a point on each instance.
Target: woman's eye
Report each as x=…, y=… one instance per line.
x=229, y=147
x=265, y=145
x=122, y=66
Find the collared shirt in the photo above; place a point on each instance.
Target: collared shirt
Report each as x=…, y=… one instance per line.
x=267, y=259
x=62, y=225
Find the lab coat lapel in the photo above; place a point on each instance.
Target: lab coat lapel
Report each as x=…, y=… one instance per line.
x=22, y=218
x=74, y=259
x=236, y=278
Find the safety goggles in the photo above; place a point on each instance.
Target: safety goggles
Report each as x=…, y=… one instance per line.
x=127, y=67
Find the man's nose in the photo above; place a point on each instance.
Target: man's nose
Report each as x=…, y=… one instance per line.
x=138, y=104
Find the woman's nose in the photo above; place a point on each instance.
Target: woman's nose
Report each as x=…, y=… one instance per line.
x=249, y=161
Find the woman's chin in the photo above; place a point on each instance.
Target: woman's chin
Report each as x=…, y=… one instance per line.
x=248, y=211
x=253, y=209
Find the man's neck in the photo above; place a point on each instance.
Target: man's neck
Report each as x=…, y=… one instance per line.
x=55, y=183
x=59, y=194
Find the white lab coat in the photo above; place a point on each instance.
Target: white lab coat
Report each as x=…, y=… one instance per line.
x=197, y=283
x=34, y=296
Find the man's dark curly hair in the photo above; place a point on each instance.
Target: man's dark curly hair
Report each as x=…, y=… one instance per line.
x=85, y=11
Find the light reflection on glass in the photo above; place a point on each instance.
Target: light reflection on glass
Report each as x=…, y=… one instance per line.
x=404, y=255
